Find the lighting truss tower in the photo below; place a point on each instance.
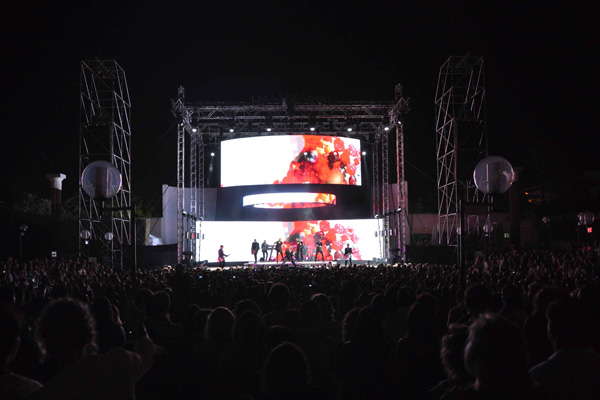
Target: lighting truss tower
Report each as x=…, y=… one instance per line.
x=105, y=134
x=209, y=123
x=400, y=214
x=461, y=141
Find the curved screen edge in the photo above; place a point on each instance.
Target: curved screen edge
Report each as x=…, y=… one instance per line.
x=289, y=200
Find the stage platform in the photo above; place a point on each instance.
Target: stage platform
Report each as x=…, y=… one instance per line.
x=271, y=264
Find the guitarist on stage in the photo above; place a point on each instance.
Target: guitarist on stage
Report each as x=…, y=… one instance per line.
x=222, y=256
x=348, y=255
x=265, y=250
x=254, y=250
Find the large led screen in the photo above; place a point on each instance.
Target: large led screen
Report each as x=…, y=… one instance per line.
x=334, y=235
x=293, y=159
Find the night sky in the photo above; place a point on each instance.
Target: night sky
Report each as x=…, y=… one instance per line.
x=541, y=75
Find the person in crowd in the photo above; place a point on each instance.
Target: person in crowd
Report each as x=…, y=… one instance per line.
x=208, y=372
x=109, y=328
x=512, y=305
x=573, y=371
x=535, y=330
x=362, y=360
x=395, y=324
x=477, y=302
x=66, y=336
x=286, y=375
x=320, y=350
x=453, y=354
x=496, y=357
x=417, y=361
x=12, y=386
x=279, y=297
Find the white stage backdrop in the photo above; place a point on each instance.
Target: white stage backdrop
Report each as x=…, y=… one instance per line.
x=237, y=238
x=291, y=159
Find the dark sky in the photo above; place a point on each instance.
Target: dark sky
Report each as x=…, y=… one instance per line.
x=541, y=66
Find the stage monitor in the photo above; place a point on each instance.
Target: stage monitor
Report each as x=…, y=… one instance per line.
x=290, y=159
x=334, y=235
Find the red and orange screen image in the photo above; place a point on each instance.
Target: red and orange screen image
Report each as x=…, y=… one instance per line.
x=291, y=159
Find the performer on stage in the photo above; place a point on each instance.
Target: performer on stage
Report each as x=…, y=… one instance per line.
x=279, y=250
x=254, y=250
x=300, y=251
x=222, y=256
x=319, y=250
x=348, y=255
x=289, y=255
x=265, y=250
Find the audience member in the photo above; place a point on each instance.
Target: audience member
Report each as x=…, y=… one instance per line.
x=12, y=386
x=573, y=371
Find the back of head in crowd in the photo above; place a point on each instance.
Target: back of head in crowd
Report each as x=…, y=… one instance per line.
x=279, y=296
x=66, y=331
x=285, y=373
x=220, y=325
x=568, y=324
x=453, y=352
x=10, y=332
x=495, y=354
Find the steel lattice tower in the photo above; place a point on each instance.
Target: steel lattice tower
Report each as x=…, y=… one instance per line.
x=209, y=123
x=105, y=134
x=461, y=141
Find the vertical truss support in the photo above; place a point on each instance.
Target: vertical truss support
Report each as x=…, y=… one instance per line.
x=105, y=134
x=181, y=113
x=402, y=106
x=385, y=194
x=200, y=188
x=461, y=141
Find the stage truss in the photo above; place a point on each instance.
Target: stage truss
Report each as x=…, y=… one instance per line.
x=461, y=141
x=105, y=134
x=204, y=124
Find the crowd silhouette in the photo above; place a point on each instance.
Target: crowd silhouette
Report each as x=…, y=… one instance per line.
x=515, y=325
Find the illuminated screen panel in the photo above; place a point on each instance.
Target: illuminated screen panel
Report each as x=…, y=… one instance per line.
x=289, y=200
x=237, y=237
x=293, y=159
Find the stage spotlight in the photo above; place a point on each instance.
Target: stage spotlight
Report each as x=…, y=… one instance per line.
x=386, y=128
x=194, y=130
x=349, y=129
x=231, y=130
x=312, y=128
x=269, y=129
x=212, y=154
x=364, y=153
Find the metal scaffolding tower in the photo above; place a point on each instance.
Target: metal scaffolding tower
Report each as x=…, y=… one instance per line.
x=461, y=141
x=105, y=134
x=400, y=213
x=209, y=123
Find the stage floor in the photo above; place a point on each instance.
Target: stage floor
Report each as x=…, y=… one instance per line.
x=270, y=264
